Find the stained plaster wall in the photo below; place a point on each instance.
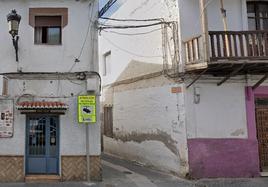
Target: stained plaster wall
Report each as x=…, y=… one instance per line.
x=149, y=125
x=148, y=119
x=217, y=127
x=202, y=122
x=221, y=135
x=221, y=112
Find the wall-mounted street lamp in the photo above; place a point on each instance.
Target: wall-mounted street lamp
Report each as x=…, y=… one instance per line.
x=13, y=20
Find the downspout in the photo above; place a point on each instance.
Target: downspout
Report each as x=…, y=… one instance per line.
x=224, y=20
x=204, y=25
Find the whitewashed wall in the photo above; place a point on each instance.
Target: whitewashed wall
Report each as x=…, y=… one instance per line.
x=16, y=144
x=221, y=112
x=51, y=58
x=190, y=16
x=72, y=134
x=149, y=125
x=46, y=58
x=144, y=48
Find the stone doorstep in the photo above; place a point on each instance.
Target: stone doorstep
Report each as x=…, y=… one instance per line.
x=264, y=174
x=42, y=178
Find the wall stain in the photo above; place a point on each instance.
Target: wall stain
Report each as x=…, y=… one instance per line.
x=159, y=135
x=238, y=132
x=170, y=5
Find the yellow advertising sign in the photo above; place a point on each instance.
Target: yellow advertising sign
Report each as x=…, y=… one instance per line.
x=87, y=109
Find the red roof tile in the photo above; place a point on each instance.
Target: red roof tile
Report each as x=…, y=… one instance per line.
x=41, y=105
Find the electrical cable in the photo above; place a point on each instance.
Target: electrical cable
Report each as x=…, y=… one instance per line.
x=159, y=21
x=88, y=29
x=133, y=34
x=202, y=12
x=86, y=37
x=134, y=20
x=130, y=26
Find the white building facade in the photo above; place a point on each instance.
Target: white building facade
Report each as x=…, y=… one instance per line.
x=57, y=62
x=202, y=120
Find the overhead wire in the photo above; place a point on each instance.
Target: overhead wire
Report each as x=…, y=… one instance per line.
x=88, y=29
x=134, y=20
x=203, y=11
x=77, y=59
x=132, y=34
x=156, y=21
x=104, y=26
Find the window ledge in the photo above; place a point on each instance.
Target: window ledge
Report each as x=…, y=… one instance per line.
x=47, y=44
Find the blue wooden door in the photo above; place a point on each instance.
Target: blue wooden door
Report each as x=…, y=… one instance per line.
x=42, y=144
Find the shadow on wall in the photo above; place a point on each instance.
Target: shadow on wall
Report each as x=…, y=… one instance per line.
x=157, y=147
x=135, y=71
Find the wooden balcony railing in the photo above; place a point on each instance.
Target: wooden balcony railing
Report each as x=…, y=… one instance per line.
x=239, y=45
x=193, y=50
x=229, y=45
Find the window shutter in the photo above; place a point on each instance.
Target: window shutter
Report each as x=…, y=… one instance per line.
x=48, y=21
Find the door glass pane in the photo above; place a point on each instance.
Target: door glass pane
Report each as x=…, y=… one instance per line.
x=37, y=136
x=53, y=137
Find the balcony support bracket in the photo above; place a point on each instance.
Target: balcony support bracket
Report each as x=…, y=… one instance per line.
x=260, y=82
x=196, y=78
x=233, y=73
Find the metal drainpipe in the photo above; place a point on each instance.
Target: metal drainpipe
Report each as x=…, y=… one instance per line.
x=204, y=21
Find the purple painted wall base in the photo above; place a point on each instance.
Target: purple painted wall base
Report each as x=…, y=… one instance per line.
x=227, y=158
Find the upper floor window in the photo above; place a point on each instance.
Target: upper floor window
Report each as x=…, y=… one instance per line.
x=47, y=30
x=48, y=24
x=257, y=15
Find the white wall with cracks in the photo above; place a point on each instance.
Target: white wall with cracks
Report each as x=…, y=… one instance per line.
x=149, y=127
x=146, y=108
x=148, y=119
x=221, y=112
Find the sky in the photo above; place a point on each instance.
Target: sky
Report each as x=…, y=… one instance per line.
x=113, y=8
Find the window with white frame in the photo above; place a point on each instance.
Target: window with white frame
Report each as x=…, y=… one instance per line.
x=107, y=63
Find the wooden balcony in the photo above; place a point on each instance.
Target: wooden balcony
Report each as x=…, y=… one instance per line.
x=238, y=52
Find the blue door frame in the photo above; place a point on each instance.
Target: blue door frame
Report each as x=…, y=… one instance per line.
x=42, y=144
